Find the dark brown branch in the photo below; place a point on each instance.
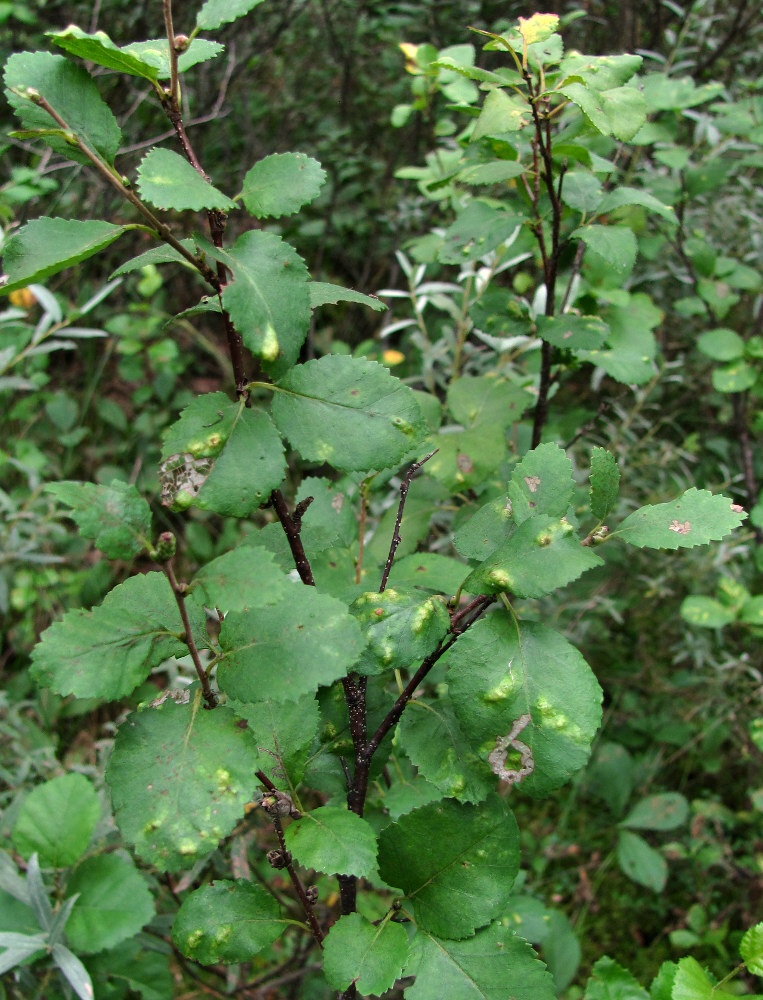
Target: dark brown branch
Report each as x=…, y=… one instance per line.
x=396, y=539
x=291, y=530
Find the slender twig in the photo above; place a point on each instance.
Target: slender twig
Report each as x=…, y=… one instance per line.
x=179, y=592
x=292, y=531
x=396, y=538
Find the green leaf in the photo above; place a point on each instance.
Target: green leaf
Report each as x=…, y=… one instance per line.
x=428, y=571
x=98, y=48
x=134, y=964
x=692, y=982
x=542, y=555
x=116, y=517
x=541, y=484
x=664, y=811
x=323, y=293
x=605, y=482
x=479, y=228
x=285, y=650
x=497, y=172
x=167, y=180
x=752, y=611
x=640, y=862
x=56, y=820
x=621, y=196
x=72, y=970
x=610, y=981
x=268, y=299
x=476, y=401
x=227, y=922
x=631, y=343
x=472, y=855
x=721, y=344
x=162, y=254
x=494, y=964
x=221, y=456
x=501, y=670
x=371, y=957
x=45, y=246
x=736, y=377
x=614, y=244
x=400, y=629
x=465, y=459
x=573, y=332
x=114, y=903
x=281, y=184
x=71, y=92
x=661, y=987
x=501, y=113
x=155, y=52
x=619, y=111
x=705, y=612
x=180, y=777
x=751, y=950
x=334, y=841
x=695, y=518
x=435, y=743
x=485, y=530
x=108, y=651
x=349, y=412
x=246, y=577
x=284, y=733
x=215, y=13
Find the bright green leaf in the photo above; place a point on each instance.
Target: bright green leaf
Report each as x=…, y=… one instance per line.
x=155, y=52
x=573, y=332
x=227, y=922
x=268, y=298
x=501, y=670
x=476, y=401
x=98, y=48
x=721, y=344
x=71, y=92
x=371, y=957
x=44, y=247
x=485, y=530
x=621, y=196
x=284, y=732
x=285, y=650
x=472, y=855
x=605, y=482
x=400, y=629
x=215, y=13
x=736, y=377
x=541, y=484
x=180, y=777
x=641, y=862
x=281, y=184
x=601, y=73
x=56, y=820
x=493, y=965
x=705, y=612
x=116, y=517
x=479, y=228
x=751, y=949
x=501, y=113
x=692, y=982
x=615, y=244
x=334, y=841
x=610, y=981
x=107, y=651
x=323, y=293
x=349, y=412
x=752, y=611
x=620, y=111
x=428, y=571
x=664, y=811
x=465, y=459
x=246, y=577
x=695, y=518
x=114, y=903
x=162, y=254
x=167, y=180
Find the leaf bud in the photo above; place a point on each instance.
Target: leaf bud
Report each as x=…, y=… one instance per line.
x=181, y=43
x=165, y=547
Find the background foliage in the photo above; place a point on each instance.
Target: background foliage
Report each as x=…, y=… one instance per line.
x=654, y=850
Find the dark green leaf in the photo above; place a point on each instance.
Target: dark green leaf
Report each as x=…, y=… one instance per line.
x=541, y=484
x=610, y=981
x=465, y=459
x=215, y=13
x=334, y=841
x=620, y=111
x=323, y=293
x=286, y=650
x=371, y=957
x=167, y=180
x=46, y=246
x=501, y=670
x=227, y=922
x=573, y=332
x=721, y=344
x=98, y=48
x=246, y=577
x=479, y=228
x=268, y=298
x=400, y=629
x=476, y=401
x=133, y=963
x=495, y=964
x=162, y=254
x=542, y=555
x=56, y=820
x=605, y=482
x=429, y=571
x=485, y=530
x=614, y=244
x=621, y=196
x=221, y=456
x=180, y=777
x=116, y=517
x=114, y=903
x=349, y=412
x=471, y=855
x=664, y=811
x=284, y=733
x=108, y=651
x=281, y=184
x=641, y=862
x=695, y=518
x=71, y=92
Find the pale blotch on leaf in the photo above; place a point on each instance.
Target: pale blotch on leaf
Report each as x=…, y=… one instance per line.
x=679, y=527
x=533, y=482
x=503, y=690
x=269, y=350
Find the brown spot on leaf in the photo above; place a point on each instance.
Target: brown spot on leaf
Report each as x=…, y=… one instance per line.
x=680, y=528
x=464, y=463
x=533, y=482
